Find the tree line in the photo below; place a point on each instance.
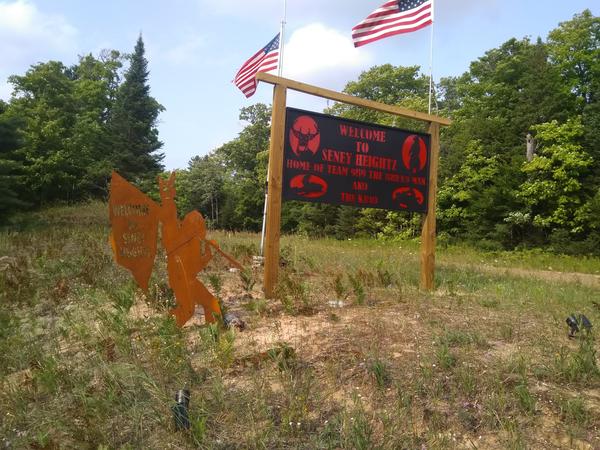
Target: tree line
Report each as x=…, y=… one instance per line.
x=494, y=188
x=490, y=191
x=66, y=128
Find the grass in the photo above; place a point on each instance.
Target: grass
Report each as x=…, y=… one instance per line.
x=89, y=361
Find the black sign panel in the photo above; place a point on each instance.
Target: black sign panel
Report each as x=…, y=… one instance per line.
x=346, y=162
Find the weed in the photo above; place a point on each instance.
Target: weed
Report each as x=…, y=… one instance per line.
x=338, y=286
x=526, y=399
x=573, y=411
x=283, y=355
x=294, y=295
x=490, y=302
x=248, y=279
x=358, y=288
x=216, y=282
x=507, y=332
x=579, y=366
x=47, y=375
x=457, y=338
x=124, y=296
x=285, y=256
x=381, y=372
x=366, y=277
x=384, y=276
x=160, y=295
x=199, y=429
x=515, y=439
x=436, y=420
x=445, y=359
x=257, y=305
x=495, y=406
x=243, y=250
x=466, y=380
x=298, y=396
x=333, y=317
x=225, y=348
x=219, y=343
x=357, y=431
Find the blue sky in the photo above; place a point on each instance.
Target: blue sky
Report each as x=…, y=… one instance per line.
x=195, y=47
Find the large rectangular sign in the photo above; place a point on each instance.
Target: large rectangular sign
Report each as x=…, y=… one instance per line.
x=345, y=162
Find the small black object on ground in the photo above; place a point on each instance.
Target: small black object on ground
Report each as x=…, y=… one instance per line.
x=180, y=410
x=231, y=320
x=575, y=323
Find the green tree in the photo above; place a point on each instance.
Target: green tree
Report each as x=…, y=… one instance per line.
x=63, y=112
x=575, y=48
x=555, y=192
x=474, y=200
x=244, y=163
x=10, y=165
x=202, y=186
x=43, y=99
x=133, y=123
x=505, y=93
x=95, y=83
x=392, y=85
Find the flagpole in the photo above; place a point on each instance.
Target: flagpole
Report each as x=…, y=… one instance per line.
x=281, y=38
x=431, y=54
x=280, y=73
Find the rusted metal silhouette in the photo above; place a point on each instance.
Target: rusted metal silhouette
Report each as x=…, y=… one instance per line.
x=134, y=218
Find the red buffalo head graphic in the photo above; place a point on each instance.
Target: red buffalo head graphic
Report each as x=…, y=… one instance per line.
x=414, y=153
x=304, y=135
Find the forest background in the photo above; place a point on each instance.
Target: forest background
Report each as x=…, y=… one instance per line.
x=66, y=128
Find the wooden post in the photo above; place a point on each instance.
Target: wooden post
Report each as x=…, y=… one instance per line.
x=276, y=168
x=428, y=231
x=274, y=177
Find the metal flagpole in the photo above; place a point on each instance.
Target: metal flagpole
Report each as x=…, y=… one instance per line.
x=279, y=73
x=431, y=54
x=281, y=38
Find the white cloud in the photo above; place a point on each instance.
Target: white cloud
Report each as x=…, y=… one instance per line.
x=243, y=8
x=317, y=52
x=26, y=32
x=28, y=36
x=187, y=50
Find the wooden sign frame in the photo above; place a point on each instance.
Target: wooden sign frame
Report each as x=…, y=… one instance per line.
x=275, y=171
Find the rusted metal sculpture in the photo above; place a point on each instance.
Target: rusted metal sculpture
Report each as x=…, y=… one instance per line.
x=134, y=219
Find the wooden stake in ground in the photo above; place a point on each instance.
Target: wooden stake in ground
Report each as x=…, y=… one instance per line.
x=273, y=228
x=428, y=230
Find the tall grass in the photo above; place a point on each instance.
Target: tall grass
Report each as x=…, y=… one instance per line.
x=89, y=361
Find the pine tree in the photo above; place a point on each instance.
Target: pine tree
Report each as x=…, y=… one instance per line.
x=133, y=123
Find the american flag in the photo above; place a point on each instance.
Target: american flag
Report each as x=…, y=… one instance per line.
x=265, y=60
x=391, y=18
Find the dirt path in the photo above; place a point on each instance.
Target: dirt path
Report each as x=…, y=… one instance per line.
x=585, y=279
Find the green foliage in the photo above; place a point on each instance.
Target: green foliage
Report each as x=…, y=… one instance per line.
x=66, y=128
x=63, y=132
x=393, y=85
x=11, y=167
x=381, y=372
x=133, y=122
x=358, y=287
x=473, y=199
x=244, y=172
x=555, y=191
